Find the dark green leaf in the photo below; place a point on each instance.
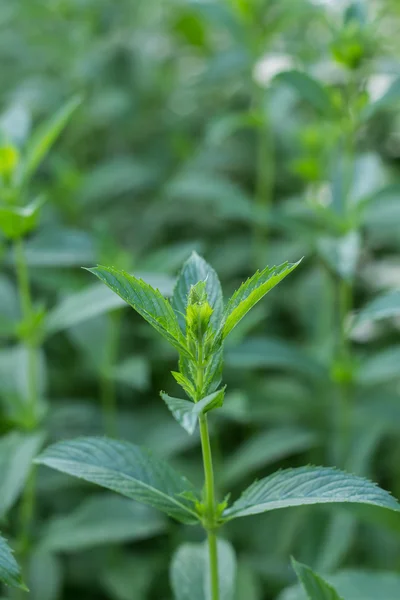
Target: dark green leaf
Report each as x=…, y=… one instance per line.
x=308, y=485
x=313, y=584
x=9, y=570
x=126, y=469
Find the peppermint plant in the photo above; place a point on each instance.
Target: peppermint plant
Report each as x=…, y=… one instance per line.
x=196, y=322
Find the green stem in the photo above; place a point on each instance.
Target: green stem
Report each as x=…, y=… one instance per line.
x=264, y=178
x=209, y=486
x=107, y=385
x=27, y=505
x=344, y=356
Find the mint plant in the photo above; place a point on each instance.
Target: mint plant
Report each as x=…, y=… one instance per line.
x=196, y=323
x=19, y=214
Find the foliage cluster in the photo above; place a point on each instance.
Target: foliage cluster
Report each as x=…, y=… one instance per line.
x=253, y=133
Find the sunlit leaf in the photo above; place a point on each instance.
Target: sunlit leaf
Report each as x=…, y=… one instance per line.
x=147, y=301
x=251, y=292
x=194, y=270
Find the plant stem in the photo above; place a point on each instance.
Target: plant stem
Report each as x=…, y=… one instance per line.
x=27, y=309
x=344, y=354
x=264, y=177
x=209, y=487
x=107, y=385
x=27, y=505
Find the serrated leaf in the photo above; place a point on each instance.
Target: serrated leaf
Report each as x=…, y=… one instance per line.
x=187, y=413
x=308, y=89
x=251, y=292
x=45, y=136
x=308, y=485
x=92, y=301
x=10, y=573
x=123, y=468
x=17, y=450
x=185, y=383
x=189, y=572
x=356, y=585
x=383, y=307
x=147, y=301
x=16, y=221
x=313, y=584
x=194, y=270
x=102, y=519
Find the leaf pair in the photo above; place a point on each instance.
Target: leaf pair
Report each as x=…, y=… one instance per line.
x=169, y=318
x=135, y=473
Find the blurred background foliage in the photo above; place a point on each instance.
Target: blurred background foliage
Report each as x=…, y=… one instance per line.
x=253, y=132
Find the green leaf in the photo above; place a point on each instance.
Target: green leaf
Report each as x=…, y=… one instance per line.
x=16, y=221
x=381, y=367
x=187, y=413
x=264, y=448
x=9, y=570
x=194, y=270
x=17, y=450
x=189, y=572
x=251, y=292
x=147, y=301
x=356, y=585
x=45, y=136
x=308, y=485
x=102, y=519
x=383, y=307
x=92, y=301
x=315, y=587
x=126, y=469
x=308, y=89
x=133, y=371
x=45, y=575
x=341, y=254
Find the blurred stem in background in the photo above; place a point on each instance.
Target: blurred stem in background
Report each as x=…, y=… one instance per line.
x=107, y=383
x=344, y=375
x=27, y=505
x=264, y=183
